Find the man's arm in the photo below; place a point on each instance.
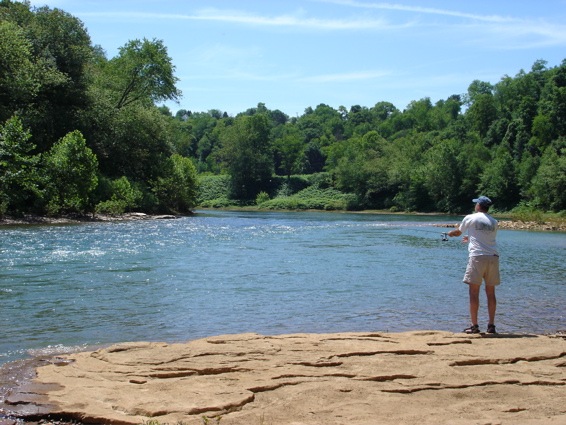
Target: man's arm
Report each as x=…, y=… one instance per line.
x=454, y=233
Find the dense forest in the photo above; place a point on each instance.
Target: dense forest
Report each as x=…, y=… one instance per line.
x=82, y=133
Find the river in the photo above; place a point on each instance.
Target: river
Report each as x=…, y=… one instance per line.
x=68, y=287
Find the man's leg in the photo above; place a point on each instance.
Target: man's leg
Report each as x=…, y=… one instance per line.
x=491, y=302
x=474, y=302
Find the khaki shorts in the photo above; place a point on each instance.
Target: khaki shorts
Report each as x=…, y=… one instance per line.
x=484, y=267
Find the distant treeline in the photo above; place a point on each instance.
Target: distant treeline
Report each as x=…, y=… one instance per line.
x=81, y=133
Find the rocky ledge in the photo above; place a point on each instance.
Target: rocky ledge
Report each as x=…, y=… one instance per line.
x=424, y=377
x=521, y=225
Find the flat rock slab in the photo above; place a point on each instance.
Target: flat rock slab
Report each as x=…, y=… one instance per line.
x=424, y=377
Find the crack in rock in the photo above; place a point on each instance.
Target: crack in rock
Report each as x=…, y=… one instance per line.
x=375, y=353
x=165, y=374
x=386, y=378
x=463, y=341
x=266, y=388
x=318, y=364
x=479, y=362
x=218, y=410
x=437, y=386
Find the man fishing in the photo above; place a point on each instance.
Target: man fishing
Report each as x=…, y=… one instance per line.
x=483, y=262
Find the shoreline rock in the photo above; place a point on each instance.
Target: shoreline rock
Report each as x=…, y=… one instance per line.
x=420, y=377
x=520, y=225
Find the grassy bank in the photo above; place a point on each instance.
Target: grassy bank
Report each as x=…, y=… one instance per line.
x=315, y=193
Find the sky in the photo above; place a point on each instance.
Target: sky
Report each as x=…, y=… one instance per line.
x=294, y=54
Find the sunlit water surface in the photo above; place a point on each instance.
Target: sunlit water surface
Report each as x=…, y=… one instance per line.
x=215, y=273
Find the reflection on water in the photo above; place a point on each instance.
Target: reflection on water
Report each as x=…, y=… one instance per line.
x=271, y=273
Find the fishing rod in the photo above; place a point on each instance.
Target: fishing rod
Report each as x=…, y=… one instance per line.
x=443, y=235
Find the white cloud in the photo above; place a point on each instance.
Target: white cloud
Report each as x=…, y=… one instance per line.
x=492, y=31
x=296, y=21
x=418, y=9
x=345, y=77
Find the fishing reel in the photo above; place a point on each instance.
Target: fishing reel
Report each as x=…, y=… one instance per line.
x=444, y=236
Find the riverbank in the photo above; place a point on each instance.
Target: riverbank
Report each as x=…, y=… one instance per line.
x=35, y=219
x=421, y=377
x=504, y=222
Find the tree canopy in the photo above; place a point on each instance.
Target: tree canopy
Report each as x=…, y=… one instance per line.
x=80, y=131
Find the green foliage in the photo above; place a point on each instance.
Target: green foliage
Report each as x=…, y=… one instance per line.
x=69, y=175
x=123, y=198
x=313, y=198
x=360, y=167
x=527, y=214
x=443, y=175
x=47, y=70
x=482, y=113
x=142, y=71
x=18, y=84
x=247, y=153
x=549, y=183
x=16, y=163
x=476, y=89
x=220, y=203
x=177, y=189
x=261, y=198
x=508, y=143
x=213, y=187
x=291, y=149
x=135, y=144
x=498, y=180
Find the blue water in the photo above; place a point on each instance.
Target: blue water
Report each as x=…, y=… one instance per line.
x=82, y=285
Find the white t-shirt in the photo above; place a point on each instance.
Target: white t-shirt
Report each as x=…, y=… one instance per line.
x=482, y=229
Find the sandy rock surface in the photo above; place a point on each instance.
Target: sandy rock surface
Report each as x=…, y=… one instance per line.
x=423, y=377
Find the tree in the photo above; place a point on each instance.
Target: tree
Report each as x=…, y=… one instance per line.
x=443, y=175
x=359, y=166
x=527, y=170
x=182, y=114
x=499, y=181
x=476, y=89
x=406, y=173
x=482, y=113
x=291, y=149
x=55, y=72
x=557, y=101
x=420, y=112
x=177, y=188
x=70, y=175
x=142, y=71
x=549, y=184
x=15, y=162
x=247, y=153
x=134, y=142
x=18, y=82
x=473, y=157
x=124, y=197
x=314, y=158
x=278, y=117
x=384, y=110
